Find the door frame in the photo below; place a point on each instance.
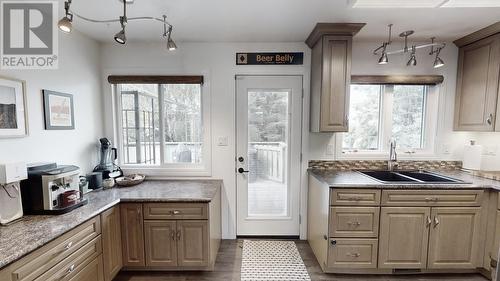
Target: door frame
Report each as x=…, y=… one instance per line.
x=302, y=192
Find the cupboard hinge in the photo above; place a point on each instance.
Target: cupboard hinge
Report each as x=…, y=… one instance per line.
x=300, y=219
x=302, y=92
x=300, y=158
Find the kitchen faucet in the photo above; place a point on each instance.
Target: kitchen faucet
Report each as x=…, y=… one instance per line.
x=393, y=157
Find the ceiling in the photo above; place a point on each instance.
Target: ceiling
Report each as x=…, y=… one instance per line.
x=273, y=20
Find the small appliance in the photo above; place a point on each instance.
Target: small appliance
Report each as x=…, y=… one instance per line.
x=11, y=207
x=108, y=155
x=95, y=180
x=51, y=189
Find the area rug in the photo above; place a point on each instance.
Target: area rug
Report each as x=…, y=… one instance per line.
x=272, y=260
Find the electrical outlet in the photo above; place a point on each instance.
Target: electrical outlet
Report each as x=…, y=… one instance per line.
x=222, y=141
x=330, y=149
x=446, y=148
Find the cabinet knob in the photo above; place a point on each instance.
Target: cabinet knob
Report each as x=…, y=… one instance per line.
x=429, y=221
x=333, y=242
x=490, y=119
x=436, y=221
x=68, y=245
x=176, y=212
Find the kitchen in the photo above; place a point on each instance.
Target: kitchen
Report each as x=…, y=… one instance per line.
x=226, y=110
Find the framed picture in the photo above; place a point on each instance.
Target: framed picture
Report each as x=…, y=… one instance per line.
x=13, y=109
x=58, y=111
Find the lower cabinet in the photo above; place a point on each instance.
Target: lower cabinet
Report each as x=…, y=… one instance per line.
x=411, y=227
x=160, y=240
x=182, y=236
x=132, y=235
x=433, y=238
x=112, y=242
x=454, y=238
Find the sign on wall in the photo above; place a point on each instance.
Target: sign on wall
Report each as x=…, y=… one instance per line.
x=295, y=58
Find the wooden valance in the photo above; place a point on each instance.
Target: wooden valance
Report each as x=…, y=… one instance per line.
x=155, y=79
x=398, y=79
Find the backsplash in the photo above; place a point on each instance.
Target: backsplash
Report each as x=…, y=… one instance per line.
x=382, y=165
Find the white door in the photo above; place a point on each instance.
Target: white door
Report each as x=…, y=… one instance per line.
x=269, y=122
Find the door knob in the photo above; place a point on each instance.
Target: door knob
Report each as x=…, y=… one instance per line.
x=241, y=171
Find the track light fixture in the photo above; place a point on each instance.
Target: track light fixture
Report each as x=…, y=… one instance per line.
x=167, y=32
x=384, y=53
x=413, y=59
x=120, y=37
x=65, y=24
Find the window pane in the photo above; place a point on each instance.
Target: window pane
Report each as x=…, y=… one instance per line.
x=408, y=116
x=183, y=128
x=140, y=123
x=364, y=118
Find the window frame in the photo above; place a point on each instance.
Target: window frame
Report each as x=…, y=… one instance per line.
x=202, y=169
x=428, y=151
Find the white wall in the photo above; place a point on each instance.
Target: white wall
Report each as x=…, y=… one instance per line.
x=216, y=61
x=365, y=63
x=78, y=74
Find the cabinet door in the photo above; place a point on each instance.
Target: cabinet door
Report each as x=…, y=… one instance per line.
x=160, y=244
x=454, y=237
x=193, y=243
x=404, y=234
x=111, y=242
x=132, y=234
x=477, y=85
x=336, y=80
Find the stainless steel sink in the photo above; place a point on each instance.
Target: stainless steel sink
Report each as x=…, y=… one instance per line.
x=410, y=177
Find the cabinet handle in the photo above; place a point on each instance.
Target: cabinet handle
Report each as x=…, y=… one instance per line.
x=490, y=119
x=436, y=221
x=172, y=234
x=176, y=212
x=68, y=246
x=346, y=120
x=356, y=223
x=354, y=255
x=429, y=221
x=325, y=237
x=179, y=235
x=70, y=269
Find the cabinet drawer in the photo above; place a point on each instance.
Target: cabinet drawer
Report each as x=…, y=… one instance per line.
x=352, y=253
x=185, y=211
x=355, y=197
x=354, y=221
x=40, y=261
x=73, y=264
x=92, y=272
x=432, y=197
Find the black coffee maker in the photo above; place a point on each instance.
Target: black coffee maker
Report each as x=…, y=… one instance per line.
x=108, y=155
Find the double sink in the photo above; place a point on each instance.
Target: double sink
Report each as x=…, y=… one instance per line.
x=410, y=177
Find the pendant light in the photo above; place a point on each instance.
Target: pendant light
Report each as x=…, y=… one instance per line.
x=383, y=58
x=171, y=46
x=120, y=37
x=438, y=62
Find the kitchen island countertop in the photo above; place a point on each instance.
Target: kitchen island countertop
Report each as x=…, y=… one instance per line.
x=32, y=232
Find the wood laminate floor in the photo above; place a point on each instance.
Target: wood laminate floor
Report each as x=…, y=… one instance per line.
x=227, y=268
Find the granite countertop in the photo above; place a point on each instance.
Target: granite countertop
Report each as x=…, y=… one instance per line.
x=354, y=179
x=32, y=232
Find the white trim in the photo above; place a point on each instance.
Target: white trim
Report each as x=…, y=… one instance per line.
x=169, y=169
x=432, y=105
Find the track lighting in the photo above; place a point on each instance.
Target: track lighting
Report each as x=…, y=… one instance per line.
x=167, y=32
x=384, y=53
x=65, y=24
x=120, y=37
x=413, y=59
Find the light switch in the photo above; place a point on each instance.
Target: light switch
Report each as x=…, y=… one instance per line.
x=330, y=148
x=222, y=141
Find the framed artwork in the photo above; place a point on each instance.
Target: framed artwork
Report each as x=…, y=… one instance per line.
x=13, y=109
x=58, y=111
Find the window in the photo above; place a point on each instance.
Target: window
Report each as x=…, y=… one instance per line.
x=162, y=126
x=381, y=113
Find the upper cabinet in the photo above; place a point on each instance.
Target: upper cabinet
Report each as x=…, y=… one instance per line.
x=477, y=95
x=331, y=45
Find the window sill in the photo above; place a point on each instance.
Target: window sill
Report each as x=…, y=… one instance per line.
x=163, y=172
